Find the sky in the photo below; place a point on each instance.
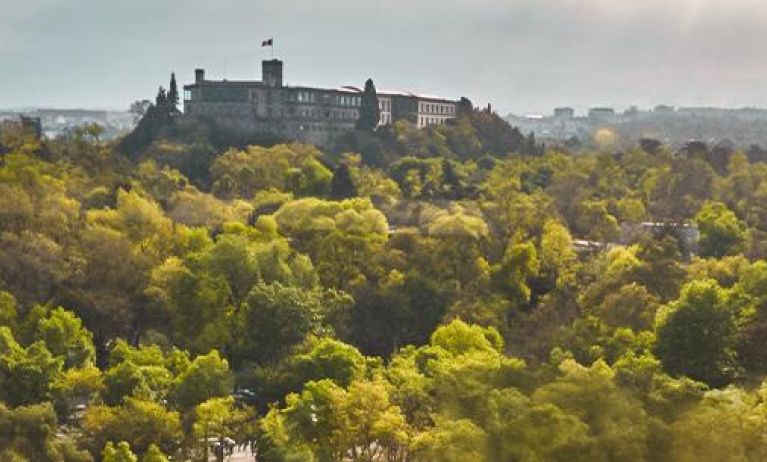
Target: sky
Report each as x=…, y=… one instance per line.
x=523, y=56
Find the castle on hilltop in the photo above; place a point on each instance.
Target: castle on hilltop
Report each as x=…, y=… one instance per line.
x=312, y=115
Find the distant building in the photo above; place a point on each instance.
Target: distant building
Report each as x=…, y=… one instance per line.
x=51, y=123
x=602, y=115
x=663, y=109
x=687, y=235
x=309, y=114
x=671, y=126
x=564, y=113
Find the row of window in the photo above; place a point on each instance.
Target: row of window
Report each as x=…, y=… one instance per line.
x=344, y=100
x=309, y=113
x=319, y=114
x=223, y=94
x=321, y=128
x=311, y=97
x=423, y=121
x=434, y=108
x=306, y=97
x=222, y=109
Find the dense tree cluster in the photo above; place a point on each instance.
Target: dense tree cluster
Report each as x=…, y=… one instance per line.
x=459, y=302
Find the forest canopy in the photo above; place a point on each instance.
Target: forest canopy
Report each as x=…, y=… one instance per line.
x=456, y=293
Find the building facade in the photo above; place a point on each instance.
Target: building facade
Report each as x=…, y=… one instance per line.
x=308, y=114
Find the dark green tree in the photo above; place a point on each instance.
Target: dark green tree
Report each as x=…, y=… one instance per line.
x=273, y=319
x=452, y=183
x=173, y=94
x=155, y=121
x=465, y=106
x=532, y=147
x=30, y=433
x=370, y=114
x=342, y=186
x=162, y=98
x=697, y=334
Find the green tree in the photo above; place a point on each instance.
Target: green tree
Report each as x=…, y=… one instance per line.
x=696, y=334
x=370, y=113
x=207, y=377
x=520, y=263
x=451, y=441
x=76, y=386
x=154, y=454
x=29, y=433
x=460, y=338
x=275, y=318
x=232, y=257
x=33, y=267
x=329, y=359
x=119, y=453
x=617, y=424
x=218, y=418
x=459, y=236
x=127, y=379
x=8, y=312
x=721, y=232
x=139, y=422
x=520, y=428
x=358, y=424
x=196, y=302
x=26, y=374
x=65, y=337
x=724, y=426
x=290, y=168
x=630, y=306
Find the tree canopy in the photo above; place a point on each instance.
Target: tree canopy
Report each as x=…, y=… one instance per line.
x=452, y=293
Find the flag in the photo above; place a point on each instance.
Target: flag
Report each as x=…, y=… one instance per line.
x=267, y=43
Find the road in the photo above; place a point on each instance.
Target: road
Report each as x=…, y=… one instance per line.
x=240, y=454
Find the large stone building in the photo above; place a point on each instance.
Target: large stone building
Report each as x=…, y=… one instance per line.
x=314, y=115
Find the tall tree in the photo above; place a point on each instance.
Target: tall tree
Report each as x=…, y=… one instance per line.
x=370, y=114
x=342, y=185
x=138, y=108
x=173, y=94
x=465, y=106
x=162, y=98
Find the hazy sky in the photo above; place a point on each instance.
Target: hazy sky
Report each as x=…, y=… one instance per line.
x=524, y=56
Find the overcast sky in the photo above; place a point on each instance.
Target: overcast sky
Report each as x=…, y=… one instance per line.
x=523, y=56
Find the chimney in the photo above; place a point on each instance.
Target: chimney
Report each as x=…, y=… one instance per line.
x=271, y=72
x=199, y=75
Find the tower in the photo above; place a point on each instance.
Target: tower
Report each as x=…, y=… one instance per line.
x=271, y=72
x=199, y=75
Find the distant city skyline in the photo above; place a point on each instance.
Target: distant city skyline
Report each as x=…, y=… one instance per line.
x=523, y=56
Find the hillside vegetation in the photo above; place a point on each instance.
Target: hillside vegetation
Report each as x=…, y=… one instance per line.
x=407, y=296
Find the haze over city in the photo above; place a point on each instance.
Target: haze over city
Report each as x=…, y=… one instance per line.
x=523, y=56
